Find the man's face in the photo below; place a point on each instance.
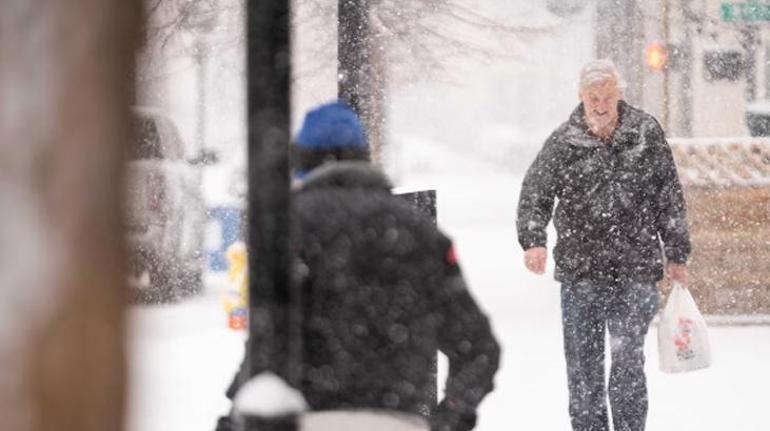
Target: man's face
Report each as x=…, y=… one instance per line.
x=601, y=106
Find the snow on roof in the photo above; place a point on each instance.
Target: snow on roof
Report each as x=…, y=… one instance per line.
x=723, y=162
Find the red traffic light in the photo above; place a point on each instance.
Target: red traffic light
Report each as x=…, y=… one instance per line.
x=656, y=57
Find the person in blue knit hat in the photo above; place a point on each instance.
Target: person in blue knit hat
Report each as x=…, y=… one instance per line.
x=330, y=132
x=381, y=288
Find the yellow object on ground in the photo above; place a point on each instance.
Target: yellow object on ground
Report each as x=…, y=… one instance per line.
x=236, y=301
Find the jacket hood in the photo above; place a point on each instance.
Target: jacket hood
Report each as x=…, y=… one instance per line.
x=347, y=174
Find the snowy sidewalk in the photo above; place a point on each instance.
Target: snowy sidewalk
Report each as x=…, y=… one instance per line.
x=182, y=357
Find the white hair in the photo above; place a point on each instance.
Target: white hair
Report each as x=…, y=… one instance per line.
x=598, y=72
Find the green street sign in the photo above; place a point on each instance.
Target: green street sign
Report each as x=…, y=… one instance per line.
x=749, y=12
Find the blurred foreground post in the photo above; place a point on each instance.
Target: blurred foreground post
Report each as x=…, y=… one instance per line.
x=268, y=62
x=268, y=72
x=66, y=85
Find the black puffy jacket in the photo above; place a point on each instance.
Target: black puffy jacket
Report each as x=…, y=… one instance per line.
x=617, y=201
x=381, y=293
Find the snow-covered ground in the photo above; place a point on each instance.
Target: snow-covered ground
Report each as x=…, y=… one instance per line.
x=182, y=357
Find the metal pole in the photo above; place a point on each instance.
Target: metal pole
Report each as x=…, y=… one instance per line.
x=268, y=73
x=750, y=45
x=618, y=32
x=685, y=59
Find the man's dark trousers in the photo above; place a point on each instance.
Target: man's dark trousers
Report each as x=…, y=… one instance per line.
x=626, y=308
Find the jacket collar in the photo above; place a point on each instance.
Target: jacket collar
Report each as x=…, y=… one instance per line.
x=577, y=132
x=346, y=175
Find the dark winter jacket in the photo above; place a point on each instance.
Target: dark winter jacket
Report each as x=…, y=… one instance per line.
x=617, y=201
x=381, y=294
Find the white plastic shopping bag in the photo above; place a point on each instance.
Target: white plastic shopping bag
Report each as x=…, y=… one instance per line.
x=683, y=343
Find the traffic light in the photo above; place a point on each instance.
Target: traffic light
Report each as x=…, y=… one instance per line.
x=656, y=57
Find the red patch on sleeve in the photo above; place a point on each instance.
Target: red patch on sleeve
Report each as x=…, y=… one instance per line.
x=451, y=255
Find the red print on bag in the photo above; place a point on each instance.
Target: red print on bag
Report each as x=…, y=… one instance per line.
x=683, y=339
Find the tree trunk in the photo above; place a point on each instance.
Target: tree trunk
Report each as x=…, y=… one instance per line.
x=66, y=79
x=361, y=70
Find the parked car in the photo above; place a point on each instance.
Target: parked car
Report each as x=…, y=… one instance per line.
x=165, y=214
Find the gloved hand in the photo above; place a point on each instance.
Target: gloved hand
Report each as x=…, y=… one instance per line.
x=444, y=418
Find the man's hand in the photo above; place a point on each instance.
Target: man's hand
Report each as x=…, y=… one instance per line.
x=534, y=259
x=677, y=272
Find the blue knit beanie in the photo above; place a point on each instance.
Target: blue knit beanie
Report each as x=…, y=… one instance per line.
x=330, y=127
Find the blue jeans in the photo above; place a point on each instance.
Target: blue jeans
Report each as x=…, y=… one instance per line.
x=626, y=309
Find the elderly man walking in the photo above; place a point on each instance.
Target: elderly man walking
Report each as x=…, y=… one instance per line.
x=620, y=219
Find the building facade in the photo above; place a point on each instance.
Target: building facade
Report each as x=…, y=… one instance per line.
x=717, y=62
